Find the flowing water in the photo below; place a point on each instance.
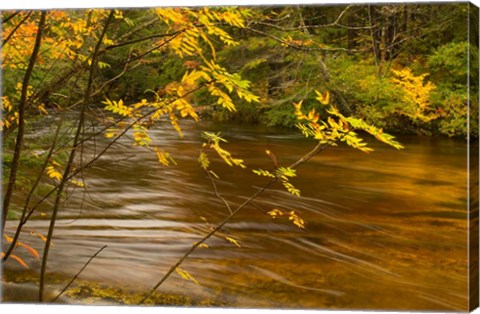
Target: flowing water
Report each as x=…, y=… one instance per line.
x=385, y=230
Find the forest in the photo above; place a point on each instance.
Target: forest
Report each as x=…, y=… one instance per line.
x=89, y=93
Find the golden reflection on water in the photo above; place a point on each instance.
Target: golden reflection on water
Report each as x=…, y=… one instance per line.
x=386, y=230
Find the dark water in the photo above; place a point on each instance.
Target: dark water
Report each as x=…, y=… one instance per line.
x=386, y=230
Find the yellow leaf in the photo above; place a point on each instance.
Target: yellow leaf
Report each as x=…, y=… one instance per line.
x=19, y=260
x=9, y=239
x=275, y=212
x=29, y=249
x=214, y=174
x=77, y=183
x=324, y=99
x=232, y=240
x=42, y=109
x=296, y=220
x=185, y=275
x=110, y=134
x=203, y=160
x=41, y=236
x=53, y=173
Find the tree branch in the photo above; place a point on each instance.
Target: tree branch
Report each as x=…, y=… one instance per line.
x=22, y=220
x=316, y=150
x=69, y=165
x=11, y=16
x=134, y=41
x=302, y=48
x=103, y=151
x=78, y=273
x=15, y=29
x=21, y=120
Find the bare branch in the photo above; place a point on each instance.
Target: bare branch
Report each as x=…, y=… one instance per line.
x=302, y=48
x=22, y=220
x=11, y=16
x=21, y=120
x=217, y=193
x=78, y=273
x=69, y=165
x=134, y=41
x=336, y=23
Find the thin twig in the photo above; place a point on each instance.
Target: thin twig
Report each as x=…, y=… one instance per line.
x=206, y=237
x=134, y=41
x=15, y=29
x=175, y=35
x=303, y=26
x=136, y=29
x=8, y=18
x=302, y=48
x=215, y=189
x=71, y=157
x=317, y=149
x=107, y=147
x=21, y=121
x=22, y=221
x=78, y=274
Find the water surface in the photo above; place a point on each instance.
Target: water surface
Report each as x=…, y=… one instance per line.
x=385, y=230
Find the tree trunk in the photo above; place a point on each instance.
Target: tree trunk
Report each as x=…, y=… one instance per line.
x=21, y=120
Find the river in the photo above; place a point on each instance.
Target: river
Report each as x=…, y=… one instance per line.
x=385, y=230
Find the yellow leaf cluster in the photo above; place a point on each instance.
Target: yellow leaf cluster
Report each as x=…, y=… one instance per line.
x=296, y=220
x=193, y=32
x=232, y=82
x=9, y=116
x=417, y=94
x=284, y=173
x=337, y=127
x=164, y=157
x=324, y=98
x=214, y=143
x=77, y=183
x=118, y=107
x=232, y=240
x=198, y=25
x=72, y=28
x=52, y=172
x=264, y=173
x=274, y=213
x=290, y=188
x=140, y=136
x=292, y=216
x=186, y=275
x=203, y=160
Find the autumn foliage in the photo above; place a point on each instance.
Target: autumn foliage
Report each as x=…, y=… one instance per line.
x=118, y=73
